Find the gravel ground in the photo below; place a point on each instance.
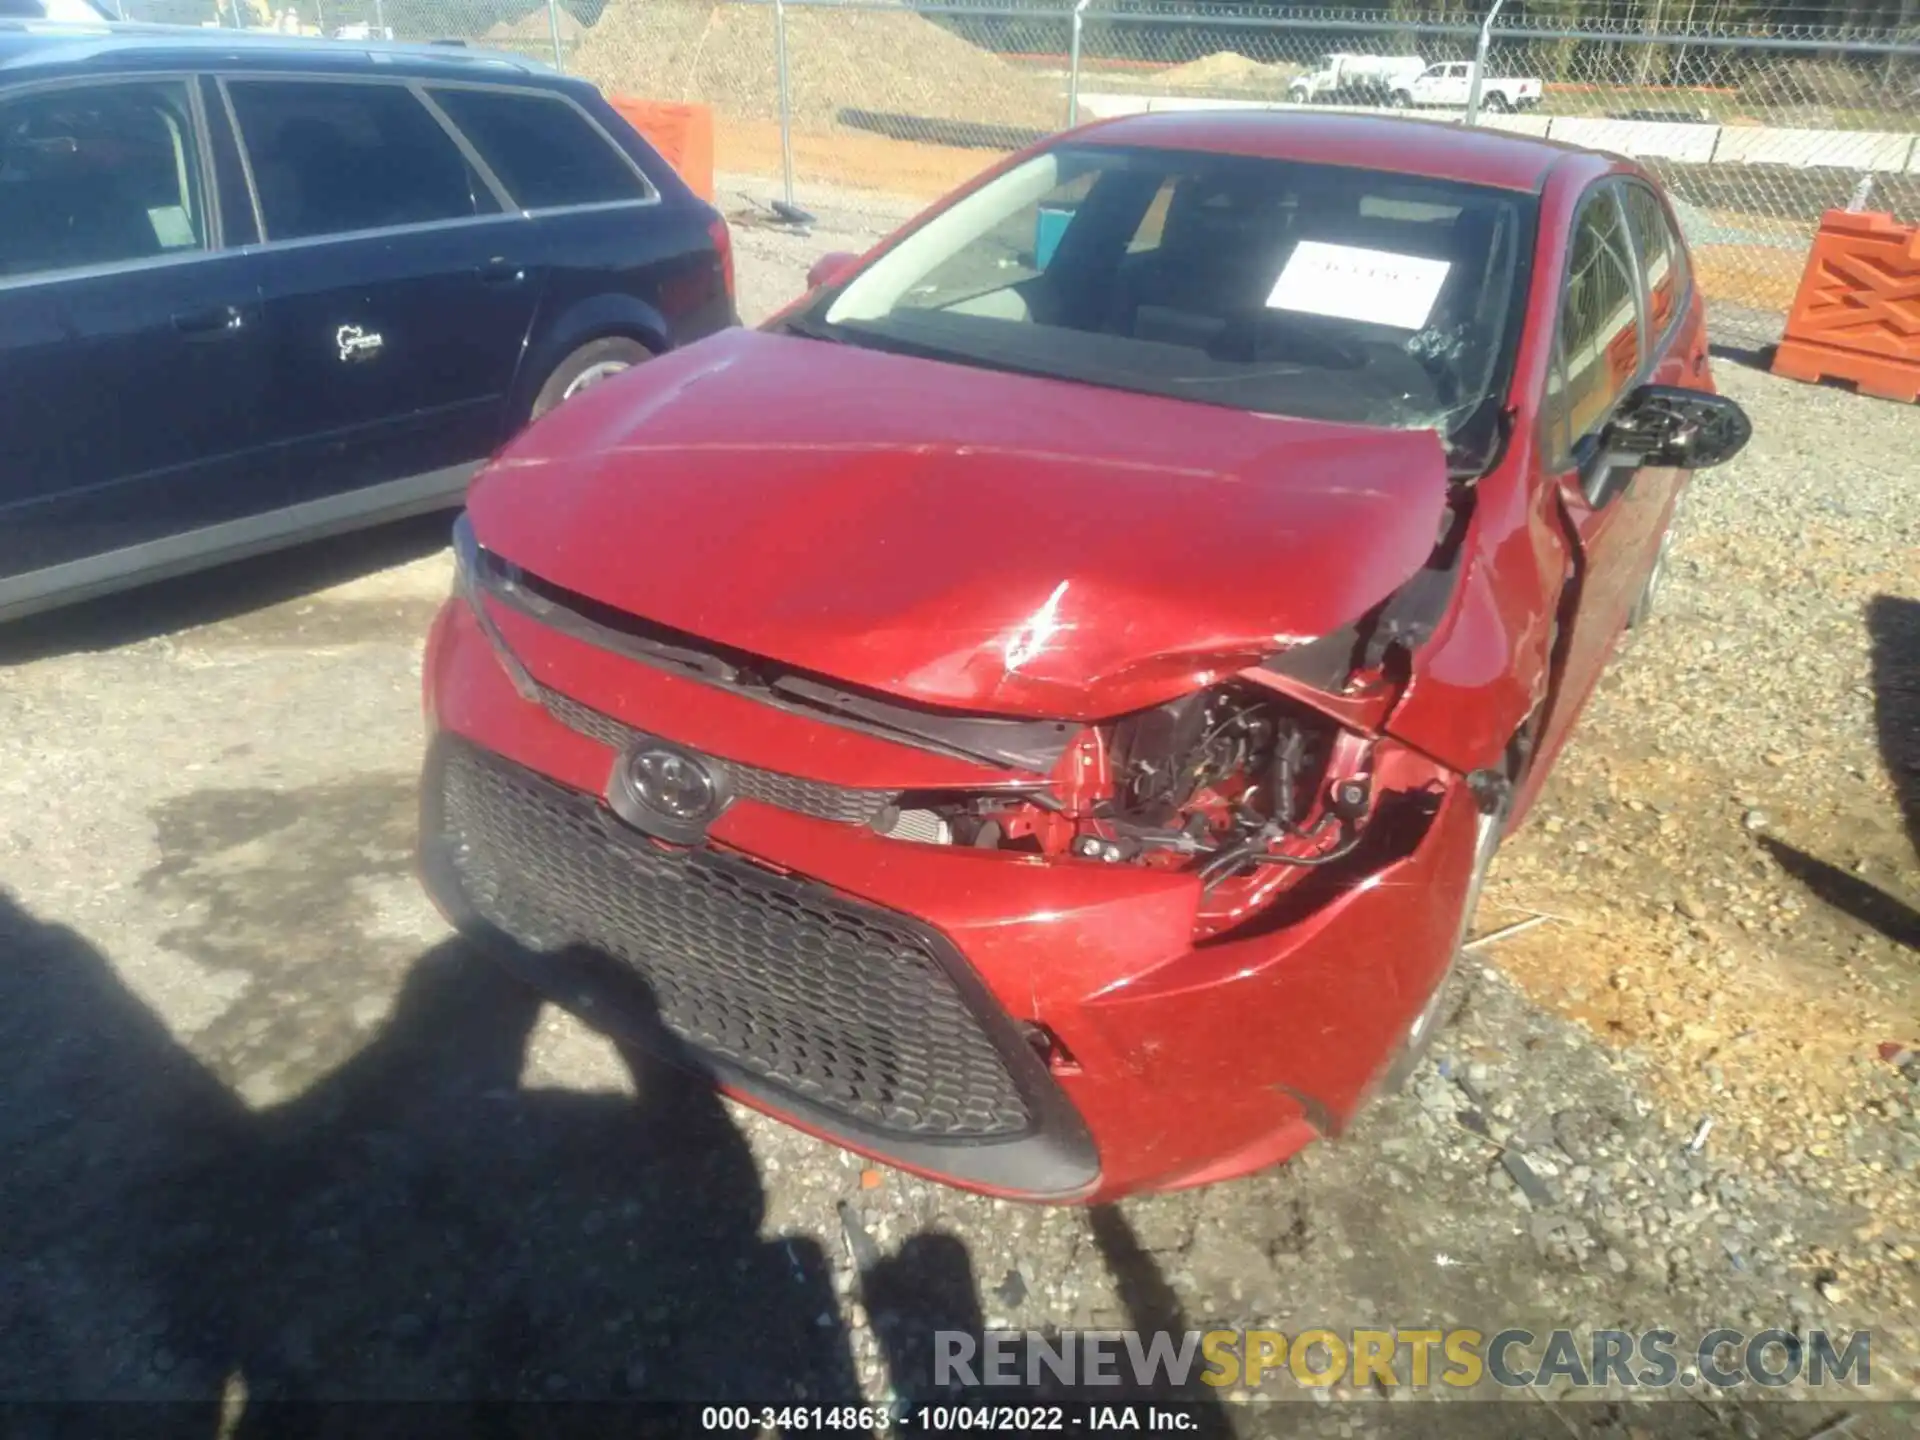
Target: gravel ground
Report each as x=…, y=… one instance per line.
x=270, y=1132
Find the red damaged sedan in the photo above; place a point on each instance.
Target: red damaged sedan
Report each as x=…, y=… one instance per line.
x=1039, y=710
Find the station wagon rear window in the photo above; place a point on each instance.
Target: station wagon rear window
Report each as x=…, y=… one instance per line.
x=543, y=150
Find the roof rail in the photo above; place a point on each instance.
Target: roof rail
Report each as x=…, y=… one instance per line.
x=87, y=42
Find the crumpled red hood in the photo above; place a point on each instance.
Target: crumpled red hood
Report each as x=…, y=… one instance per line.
x=959, y=536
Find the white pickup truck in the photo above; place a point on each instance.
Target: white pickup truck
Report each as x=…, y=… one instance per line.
x=1354, y=79
x=1449, y=83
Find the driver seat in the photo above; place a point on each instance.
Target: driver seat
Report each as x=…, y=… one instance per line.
x=1212, y=265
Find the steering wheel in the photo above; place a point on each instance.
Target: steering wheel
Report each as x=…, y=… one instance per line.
x=1344, y=353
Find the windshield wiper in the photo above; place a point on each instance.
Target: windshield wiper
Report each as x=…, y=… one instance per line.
x=812, y=329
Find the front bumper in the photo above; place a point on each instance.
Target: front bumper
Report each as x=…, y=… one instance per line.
x=883, y=993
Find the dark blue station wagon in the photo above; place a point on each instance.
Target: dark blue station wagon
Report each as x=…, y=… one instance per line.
x=255, y=289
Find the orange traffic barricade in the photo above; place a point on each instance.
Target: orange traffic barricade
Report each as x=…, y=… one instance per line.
x=1857, y=316
x=683, y=134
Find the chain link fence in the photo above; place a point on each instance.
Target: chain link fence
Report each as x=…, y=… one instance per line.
x=1756, y=120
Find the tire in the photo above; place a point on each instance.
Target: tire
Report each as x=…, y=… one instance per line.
x=1403, y=99
x=1643, y=607
x=587, y=366
x=1498, y=103
x=1438, y=1010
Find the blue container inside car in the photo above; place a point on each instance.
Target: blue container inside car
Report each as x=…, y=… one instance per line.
x=1048, y=227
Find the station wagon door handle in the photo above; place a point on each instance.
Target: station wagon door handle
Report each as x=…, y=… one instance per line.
x=500, y=272
x=216, y=323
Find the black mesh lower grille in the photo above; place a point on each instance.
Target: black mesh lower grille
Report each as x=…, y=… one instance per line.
x=845, y=1006
x=789, y=792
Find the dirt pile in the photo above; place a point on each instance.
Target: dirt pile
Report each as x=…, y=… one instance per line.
x=1230, y=70
x=889, y=61
x=534, y=25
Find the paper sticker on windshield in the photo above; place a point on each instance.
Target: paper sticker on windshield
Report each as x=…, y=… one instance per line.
x=1375, y=287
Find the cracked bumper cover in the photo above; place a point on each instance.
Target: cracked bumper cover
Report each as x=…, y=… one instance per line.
x=1187, y=1064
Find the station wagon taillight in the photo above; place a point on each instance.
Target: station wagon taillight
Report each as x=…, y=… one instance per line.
x=723, y=251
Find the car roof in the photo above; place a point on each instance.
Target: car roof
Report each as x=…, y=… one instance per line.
x=30, y=48
x=1431, y=149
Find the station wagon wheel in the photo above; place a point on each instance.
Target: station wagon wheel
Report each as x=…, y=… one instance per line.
x=586, y=367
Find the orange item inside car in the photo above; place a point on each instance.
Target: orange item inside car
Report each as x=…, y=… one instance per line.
x=683, y=134
x=1857, y=316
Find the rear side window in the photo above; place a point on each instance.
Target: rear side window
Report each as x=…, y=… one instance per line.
x=1663, y=259
x=97, y=175
x=1600, y=322
x=543, y=150
x=330, y=157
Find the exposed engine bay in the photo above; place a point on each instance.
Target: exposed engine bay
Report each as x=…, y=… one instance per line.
x=1240, y=783
x=1237, y=783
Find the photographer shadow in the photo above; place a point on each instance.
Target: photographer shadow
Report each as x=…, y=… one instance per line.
x=926, y=1295
x=416, y=1227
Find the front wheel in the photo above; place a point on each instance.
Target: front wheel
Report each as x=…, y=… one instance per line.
x=593, y=362
x=1433, y=1016
x=1656, y=577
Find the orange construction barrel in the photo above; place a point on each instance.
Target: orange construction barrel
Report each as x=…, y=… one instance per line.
x=683, y=134
x=1857, y=314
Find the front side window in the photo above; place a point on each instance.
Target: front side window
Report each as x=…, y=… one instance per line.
x=544, y=151
x=1600, y=318
x=97, y=175
x=329, y=158
x=1325, y=292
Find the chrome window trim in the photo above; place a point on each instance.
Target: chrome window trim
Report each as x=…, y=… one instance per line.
x=207, y=249
x=226, y=79
x=185, y=257
x=341, y=237
x=12, y=283
x=421, y=89
x=592, y=207
x=18, y=88
x=203, y=144
x=652, y=198
x=246, y=160
x=467, y=148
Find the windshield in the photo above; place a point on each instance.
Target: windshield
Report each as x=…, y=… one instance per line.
x=1324, y=292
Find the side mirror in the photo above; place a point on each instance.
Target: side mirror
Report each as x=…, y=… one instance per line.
x=829, y=268
x=1669, y=426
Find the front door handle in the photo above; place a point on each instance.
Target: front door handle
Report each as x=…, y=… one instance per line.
x=501, y=272
x=220, y=322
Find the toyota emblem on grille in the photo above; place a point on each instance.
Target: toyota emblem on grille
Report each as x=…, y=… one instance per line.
x=667, y=791
x=676, y=785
